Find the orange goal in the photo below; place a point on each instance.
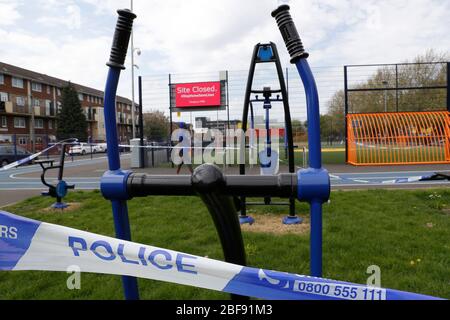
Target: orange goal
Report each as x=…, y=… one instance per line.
x=398, y=138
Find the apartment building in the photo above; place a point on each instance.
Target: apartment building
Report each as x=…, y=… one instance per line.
x=30, y=102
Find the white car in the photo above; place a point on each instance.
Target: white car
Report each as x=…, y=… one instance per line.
x=103, y=147
x=84, y=148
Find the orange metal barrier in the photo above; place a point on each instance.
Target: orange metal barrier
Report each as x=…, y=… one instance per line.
x=398, y=138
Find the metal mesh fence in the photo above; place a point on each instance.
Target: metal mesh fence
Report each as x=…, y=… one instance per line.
x=329, y=80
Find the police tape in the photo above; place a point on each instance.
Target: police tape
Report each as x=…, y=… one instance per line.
x=34, y=156
x=27, y=244
x=211, y=147
x=436, y=176
x=404, y=180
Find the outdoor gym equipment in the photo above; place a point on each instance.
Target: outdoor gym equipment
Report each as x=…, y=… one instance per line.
x=120, y=186
x=269, y=158
x=58, y=191
x=216, y=190
x=46, y=247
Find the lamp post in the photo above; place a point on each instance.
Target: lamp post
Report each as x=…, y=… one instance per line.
x=138, y=52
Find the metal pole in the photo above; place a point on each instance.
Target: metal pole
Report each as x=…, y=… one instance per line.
x=346, y=111
x=141, y=125
x=315, y=161
x=15, y=147
x=32, y=128
x=385, y=100
x=448, y=86
x=133, y=105
x=287, y=83
x=228, y=101
x=396, y=87
x=119, y=206
x=170, y=116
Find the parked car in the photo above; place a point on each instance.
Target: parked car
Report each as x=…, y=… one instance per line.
x=8, y=154
x=84, y=148
x=103, y=147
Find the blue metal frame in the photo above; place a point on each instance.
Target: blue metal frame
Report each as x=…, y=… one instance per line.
x=119, y=196
x=314, y=183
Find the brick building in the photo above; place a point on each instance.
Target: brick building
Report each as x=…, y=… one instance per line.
x=30, y=101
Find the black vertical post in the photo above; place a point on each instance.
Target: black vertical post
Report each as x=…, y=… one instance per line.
x=141, y=126
x=346, y=111
x=448, y=86
x=171, y=121
x=15, y=147
x=61, y=168
x=287, y=97
x=396, y=87
x=228, y=100
x=48, y=152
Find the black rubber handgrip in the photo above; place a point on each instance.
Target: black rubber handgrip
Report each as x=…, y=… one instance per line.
x=121, y=39
x=289, y=32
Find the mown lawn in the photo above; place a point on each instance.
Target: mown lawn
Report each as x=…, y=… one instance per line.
x=405, y=233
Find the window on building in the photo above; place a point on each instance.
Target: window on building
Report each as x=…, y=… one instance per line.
x=48, y=106
x=19, y=122
x=2, y=78
x=37, y=102
x=36, y=86
x=39, y=123
x=4, y=122
x=80, y=96
x=20, y=101
x=22, y=141
x=17, y=82
x=3, y=96
x=49, y=90
x=58, y=92
x=50, y=124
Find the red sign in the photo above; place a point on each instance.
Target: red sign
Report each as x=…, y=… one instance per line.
x=197, y=95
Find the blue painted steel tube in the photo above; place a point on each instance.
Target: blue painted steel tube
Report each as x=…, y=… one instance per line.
x=315, y=160
x=313, y=113
x=316, y=238
x=119, y=207
x=110, y=119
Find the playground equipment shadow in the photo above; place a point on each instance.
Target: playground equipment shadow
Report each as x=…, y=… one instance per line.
x=405, y=233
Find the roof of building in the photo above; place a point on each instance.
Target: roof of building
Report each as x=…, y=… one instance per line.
x=45, y=79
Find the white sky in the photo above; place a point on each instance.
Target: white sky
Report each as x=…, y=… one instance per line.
x=71, y=38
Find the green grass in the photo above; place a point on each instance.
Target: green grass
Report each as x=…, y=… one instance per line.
x=361, y=228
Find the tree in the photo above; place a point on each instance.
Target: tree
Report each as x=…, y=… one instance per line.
x=298, y=130
x=156, y=126
x=336, y=116
x=71, y=119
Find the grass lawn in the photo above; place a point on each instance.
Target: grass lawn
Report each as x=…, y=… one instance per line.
x=405, y=233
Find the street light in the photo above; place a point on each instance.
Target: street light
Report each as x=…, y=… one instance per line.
x=133, y=104
x=138, y=52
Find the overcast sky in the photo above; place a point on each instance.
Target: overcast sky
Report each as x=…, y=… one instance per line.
x=71, y=38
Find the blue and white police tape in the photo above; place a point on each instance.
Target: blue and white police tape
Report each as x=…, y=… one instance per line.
x=34, y=156
x=430, y=177
x=32, y=245
x=412, y=179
